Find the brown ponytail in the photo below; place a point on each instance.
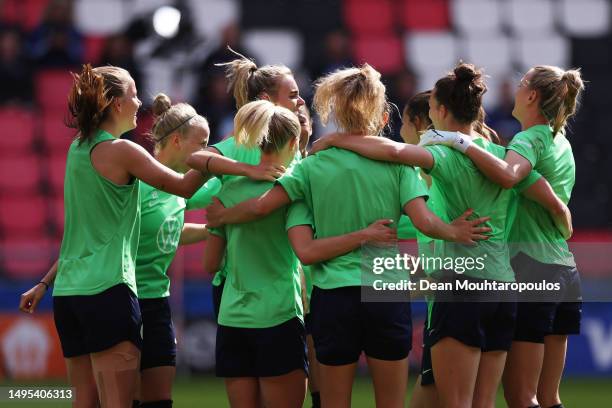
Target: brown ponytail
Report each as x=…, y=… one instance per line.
x=91, y=95
x=461, y=91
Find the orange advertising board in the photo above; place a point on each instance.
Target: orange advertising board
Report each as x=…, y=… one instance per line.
x=29, y=347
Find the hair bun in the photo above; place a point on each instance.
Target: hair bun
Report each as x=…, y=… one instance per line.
x=161, y=104
x=466, y=72
x=573, y=79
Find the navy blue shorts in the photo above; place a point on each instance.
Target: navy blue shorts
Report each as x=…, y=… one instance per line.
x=158, y=337
x=427, y=376
x=217, y=292
x=343, y=326
x=267, y=352
x=484, y=320
x=93, y=323
x=559, y=316
x=308, y=324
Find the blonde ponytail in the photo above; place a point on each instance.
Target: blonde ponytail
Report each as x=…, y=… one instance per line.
x=355, y=97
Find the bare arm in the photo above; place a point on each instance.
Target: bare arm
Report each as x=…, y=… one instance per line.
x=193, y=233
x=30, y=299
x=213, y=254
x=140, y=164
x=248, y=210
x=460, y=230
x=506, y=173
x=542, y=193
x=213, y=163
x=378, y=148
x=310, y=250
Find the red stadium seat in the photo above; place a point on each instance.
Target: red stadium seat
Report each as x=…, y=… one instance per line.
x=144, y=126
x=33, y=11
x=369, y=16
x=382, y=52
x=20, y=175
x=18, y=131
x=94, y=47
x=192, y=256
x=425, y=15
x=56, y=134
x=23, y=217
x=27, y=13
x=57, y=216
x=56, y=170
x=10, y=11
x=52, y=87
x=28, y=258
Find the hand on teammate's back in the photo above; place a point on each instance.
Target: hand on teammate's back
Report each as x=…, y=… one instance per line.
x=213, y=213
x=380, y=232
x=266, y=172
x=30, y=299
x=470, y=231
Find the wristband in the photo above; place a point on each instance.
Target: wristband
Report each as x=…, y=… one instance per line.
x=46, y=285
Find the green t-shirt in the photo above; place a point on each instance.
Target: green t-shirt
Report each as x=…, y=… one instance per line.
x=534, y=232
x=101, y=228
x=230, y=149
x=263, y=285
x=161, y=224
x=347, y=192
x=301, y=215
x=486, y=198
x=203, y=197
x=430, y=248
x=405, y=228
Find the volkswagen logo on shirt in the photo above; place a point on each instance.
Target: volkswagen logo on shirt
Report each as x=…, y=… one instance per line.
x=169, y=234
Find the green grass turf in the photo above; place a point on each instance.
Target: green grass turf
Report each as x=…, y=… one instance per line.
x=208, y=392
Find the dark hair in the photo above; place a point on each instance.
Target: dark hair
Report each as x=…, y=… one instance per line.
x=91, y=95
x=418, y=107
x=461, y=92
x=485, y=130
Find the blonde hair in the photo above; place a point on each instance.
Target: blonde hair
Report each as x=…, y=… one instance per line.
x=246, y=81
x=268, y=126
x=170, y=118
x=355, y=96
x=559, y=92
x=91, y=95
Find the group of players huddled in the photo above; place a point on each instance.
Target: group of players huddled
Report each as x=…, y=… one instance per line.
x=285, y=232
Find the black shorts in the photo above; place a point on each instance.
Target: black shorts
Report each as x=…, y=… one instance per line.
x=484, y=320
x=267, y=352
x=93, y=323
x=561, y=315
x=427, y=376
x=343, y=326
x=217, y=292
x=158, y=337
